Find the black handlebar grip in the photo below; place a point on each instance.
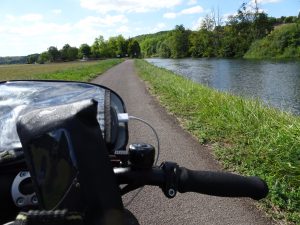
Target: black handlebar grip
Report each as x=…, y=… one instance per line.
x=221, y=184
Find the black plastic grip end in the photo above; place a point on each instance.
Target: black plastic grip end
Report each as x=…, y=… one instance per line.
x=221, y=184
x=259, y=188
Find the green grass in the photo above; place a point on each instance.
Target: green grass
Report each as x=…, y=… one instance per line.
x=247, y=136
x=76, y=71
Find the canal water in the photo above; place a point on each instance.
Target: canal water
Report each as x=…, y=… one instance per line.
x=276, y=83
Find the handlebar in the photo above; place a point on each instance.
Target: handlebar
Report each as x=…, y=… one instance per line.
x=170, y=178
x=205, y=182
x=221, y=184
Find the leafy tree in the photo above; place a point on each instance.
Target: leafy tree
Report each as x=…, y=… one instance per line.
x=114, y=47
x=134, y=50
x=281, y=19
x=72, y=53
x=290, y=19
x=122, y=46
x=43, y=58
x=208, y=23
x=202, y=44
x=64, y=52
x=179, y=43
x=150, y=47
x=164, y=50
x=95, y=48
x=242, y=31
x=262, y=25
x=228, y=46
x=53, y=54
x=272, y=21
x=68, y=53
x=150, y=43
x=84, y=50
x=30, y=59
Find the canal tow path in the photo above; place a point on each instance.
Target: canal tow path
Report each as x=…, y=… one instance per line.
x=151, y=206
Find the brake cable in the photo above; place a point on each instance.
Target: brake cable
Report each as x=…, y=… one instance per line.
x=157, y=155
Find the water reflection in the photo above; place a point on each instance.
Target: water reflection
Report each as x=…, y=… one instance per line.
x=276, y=83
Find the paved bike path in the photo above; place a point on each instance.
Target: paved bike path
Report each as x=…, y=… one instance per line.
x=151, y=206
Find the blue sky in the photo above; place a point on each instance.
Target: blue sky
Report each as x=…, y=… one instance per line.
x=31, y=26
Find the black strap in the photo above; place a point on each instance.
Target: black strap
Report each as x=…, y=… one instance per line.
x=53, y=217
x=11, y=155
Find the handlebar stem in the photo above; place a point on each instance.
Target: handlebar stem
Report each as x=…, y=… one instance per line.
x=171, y=179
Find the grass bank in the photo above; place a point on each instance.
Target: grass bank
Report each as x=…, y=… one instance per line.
x=77, y=71
x=247, y=136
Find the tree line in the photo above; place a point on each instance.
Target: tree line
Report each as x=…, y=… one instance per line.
x=13, y=60
x=114, y=47
x=214, y=39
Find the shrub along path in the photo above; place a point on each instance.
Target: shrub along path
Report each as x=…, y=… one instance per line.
x=151, y=206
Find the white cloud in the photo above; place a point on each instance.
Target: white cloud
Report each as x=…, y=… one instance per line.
x=192, y=2
x=31, y=25
x=161, y=25
x=93, y=21
x=252, y=5
x=266, y=1
x=56, y=11
x=170, y=15
x=105, y=6
x=38, y=29
x=10, y=18
x=37, y=35
x=26, y=38
x=123, y=29
x=193, y=10
x=158, y=27
x=33, y=17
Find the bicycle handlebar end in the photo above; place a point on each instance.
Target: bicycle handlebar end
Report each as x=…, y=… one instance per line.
x=221, y=184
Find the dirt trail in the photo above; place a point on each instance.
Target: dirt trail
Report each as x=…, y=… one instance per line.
x=151, y=206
